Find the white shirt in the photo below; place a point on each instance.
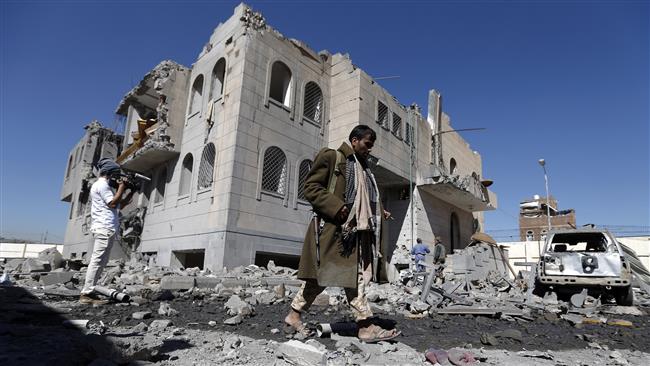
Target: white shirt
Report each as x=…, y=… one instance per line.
x=103, y=217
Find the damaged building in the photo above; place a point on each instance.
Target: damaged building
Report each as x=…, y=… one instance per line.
x=534, y=218
x=228, y=143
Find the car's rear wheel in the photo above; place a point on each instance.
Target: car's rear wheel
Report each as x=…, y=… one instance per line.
x=625, y=296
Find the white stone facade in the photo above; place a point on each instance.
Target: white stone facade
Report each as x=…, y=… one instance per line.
x=259, y=107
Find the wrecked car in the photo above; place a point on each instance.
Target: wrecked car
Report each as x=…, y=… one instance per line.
x=584, y=258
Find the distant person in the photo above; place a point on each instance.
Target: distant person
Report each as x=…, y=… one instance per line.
x=419, y=252
x=105, y=223
x=439, y=252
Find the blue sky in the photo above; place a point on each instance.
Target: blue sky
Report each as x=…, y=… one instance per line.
x=566, y=81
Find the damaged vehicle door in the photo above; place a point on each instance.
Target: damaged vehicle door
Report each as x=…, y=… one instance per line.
x=585, y=258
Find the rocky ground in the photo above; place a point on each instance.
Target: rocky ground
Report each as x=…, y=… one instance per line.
x=194, y=317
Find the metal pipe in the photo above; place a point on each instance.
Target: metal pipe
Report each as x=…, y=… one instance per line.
x=112, y=294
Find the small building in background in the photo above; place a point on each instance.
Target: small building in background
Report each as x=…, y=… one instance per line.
x=533, y=218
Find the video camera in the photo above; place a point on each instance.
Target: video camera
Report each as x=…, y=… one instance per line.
x=133, y=180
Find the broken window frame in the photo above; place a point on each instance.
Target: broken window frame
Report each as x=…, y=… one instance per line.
x=281, y=85
x=313, y=104
x=218, y=75
x=205, y=178
x=196, y=91
x=275, y=172
x=185, y=182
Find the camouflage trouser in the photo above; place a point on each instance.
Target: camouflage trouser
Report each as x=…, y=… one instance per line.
x=356, y=296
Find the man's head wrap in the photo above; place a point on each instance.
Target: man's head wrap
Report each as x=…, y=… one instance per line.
x=107, y=166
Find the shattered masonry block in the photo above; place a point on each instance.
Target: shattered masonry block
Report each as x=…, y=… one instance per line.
x=35, y=265
x=207, y=282
x=53, y=278
x=160, y=324
x=177, y=283
x=270, y=281
x=298, y=353
x=234, y=282
x=52, y=256
x=139, y=315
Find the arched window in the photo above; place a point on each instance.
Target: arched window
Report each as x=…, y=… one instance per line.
x=186, y=175
x=160, y=186
x=67, y=173
x=206, y=168
x=454, y=231
x=197, y=95
x=452, y=166
x=218, y=75
x=305, y=167
x=313, y=102
x=529, y=235
x=274, y=171
x=280, y=88
x=542, y=235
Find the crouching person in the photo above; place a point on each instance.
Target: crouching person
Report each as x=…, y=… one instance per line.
x=343, y=245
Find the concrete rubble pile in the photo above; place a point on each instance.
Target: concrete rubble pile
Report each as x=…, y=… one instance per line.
x=475, y=281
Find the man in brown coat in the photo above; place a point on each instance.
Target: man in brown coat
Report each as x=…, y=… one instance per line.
x=343, y=246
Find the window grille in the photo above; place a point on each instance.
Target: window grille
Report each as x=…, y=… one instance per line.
x=274, y=172
x=382, y=114
x=397, y=125
x=160, y=186
x=206, y=168
x=218, y=75
x=186, y=175
x=410, y=135
x=313, y=102
x=280, y=88
x=305, y=167
x=197, y=93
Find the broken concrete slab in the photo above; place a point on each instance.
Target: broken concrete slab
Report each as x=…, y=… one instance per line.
x=207, y=282
x=177, y=283
x=53, y=278
x=166, y=310
x=76, y=323
x=578, y=300
x=574, y=319
x=237, y=319
x=139, y=315
x=53, y=257
x=235, y=305
x=31, y=265
x=298, y=353
x=160, y=324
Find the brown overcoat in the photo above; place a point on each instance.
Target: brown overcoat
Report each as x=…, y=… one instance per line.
x=337, y=269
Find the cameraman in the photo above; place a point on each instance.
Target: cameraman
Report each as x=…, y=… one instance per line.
x=105, y=222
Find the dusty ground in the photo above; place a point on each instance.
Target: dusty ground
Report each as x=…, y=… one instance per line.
x=30, y=334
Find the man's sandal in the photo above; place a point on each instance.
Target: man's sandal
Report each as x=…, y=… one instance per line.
x=380, y=335
x=301, y=329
